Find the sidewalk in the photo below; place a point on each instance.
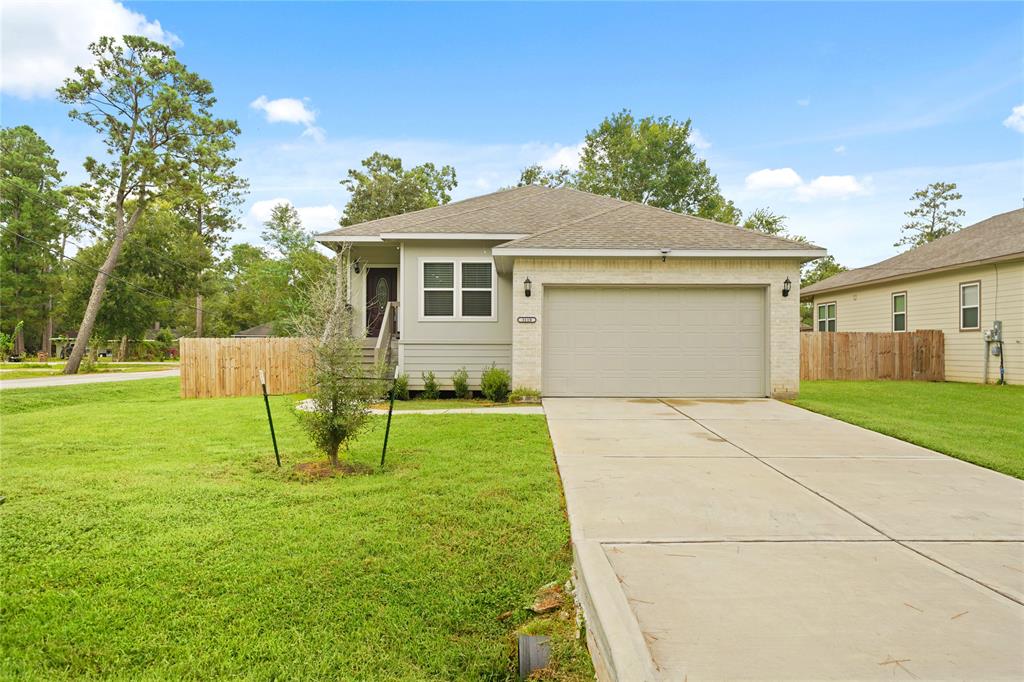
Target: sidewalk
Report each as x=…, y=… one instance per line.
x=74, y=379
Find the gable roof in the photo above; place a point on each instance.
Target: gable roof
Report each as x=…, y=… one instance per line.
x=534, y=217
x=998, y=237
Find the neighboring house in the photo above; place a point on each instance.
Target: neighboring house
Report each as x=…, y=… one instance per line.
x=581, y=295
x=260, y=331
x=960, y=284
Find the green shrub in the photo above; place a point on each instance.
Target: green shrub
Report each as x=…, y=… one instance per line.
x=430, y=388
x=402, y=387
x=495, y=384
x=524, y=395
x=460, y=380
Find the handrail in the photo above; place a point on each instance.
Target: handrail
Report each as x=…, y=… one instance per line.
x=387, y=331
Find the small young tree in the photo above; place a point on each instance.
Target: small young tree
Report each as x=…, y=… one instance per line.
x=340, y=390
x=932, y=218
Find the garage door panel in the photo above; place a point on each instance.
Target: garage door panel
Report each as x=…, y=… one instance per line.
x=654, y=341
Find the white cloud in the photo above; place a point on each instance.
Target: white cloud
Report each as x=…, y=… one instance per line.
x=563, y=156
x=314, y=218
x=772, y=179
x=805, y=102
x=823, y=187
x=1015, y=121
x=43, y=41
x=699, y=142
x=831, y=187
x=841, y=149
x=290, y=110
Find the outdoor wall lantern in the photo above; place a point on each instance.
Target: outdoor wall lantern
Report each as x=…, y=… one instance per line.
x=786, y=286
x=357, y=266
x=526, y=287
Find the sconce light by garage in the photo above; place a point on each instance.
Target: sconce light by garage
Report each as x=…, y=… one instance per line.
x=357, y=266
x=786, y=286
x=664, y=254
x=527, y=287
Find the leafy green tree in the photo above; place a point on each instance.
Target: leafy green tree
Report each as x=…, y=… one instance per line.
x=932, y=218
x=763, y=220
x=385, y=188
x=652, y=161
x=243, y=290
x=161, y=258
x=814, y=272
x=536, y=175
x=155, y=119
x=31, y=206
x=300, y=263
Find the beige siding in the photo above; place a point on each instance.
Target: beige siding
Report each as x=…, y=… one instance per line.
x=783, y=313
x=933, y=303
x=445, y=359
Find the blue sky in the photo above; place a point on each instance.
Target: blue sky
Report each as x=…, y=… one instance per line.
x=832, y=114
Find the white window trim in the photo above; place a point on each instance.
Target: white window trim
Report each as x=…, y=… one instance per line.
x=818, y=319
x=892, y=308
x=457, y=291
x=962, y=307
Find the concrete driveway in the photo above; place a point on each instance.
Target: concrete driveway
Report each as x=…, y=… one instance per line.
x=749, y=539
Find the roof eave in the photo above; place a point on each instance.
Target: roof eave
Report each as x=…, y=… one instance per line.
x=801, y=254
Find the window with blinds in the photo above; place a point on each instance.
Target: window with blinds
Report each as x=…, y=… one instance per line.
x=456, y=289
x=439, y=289
x=476, y=289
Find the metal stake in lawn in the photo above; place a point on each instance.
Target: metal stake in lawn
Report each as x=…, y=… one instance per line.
x=391, y=408
x=266, y=400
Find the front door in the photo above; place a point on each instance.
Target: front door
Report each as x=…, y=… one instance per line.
x=381, y=287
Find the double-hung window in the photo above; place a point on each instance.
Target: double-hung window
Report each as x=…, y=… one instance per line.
x=827, y=317
x=970, y=306
x=457, y=289
x=899, y=311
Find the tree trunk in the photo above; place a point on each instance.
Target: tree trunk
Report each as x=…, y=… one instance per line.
x=332, y=454
x=19, y=341
x=99, y=286
x=199, y=315
x=122, y=349
x=47, y=339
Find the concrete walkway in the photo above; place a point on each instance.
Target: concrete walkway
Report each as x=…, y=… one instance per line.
x=511, y=409
x=751, y=539
x=74, y=379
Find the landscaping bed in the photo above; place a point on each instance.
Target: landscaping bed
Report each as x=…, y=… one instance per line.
x=149, y=536
x=978, y=423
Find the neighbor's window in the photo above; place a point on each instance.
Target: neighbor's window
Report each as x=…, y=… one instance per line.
x=970, y=305
x=899, y=312
x=477, y=289
x=439, y=289
x=827, y=317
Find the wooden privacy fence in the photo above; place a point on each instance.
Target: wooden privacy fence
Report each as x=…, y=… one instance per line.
x=221, y=368
x=852, y=356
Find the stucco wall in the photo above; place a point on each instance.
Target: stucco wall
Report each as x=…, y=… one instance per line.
x=783, y=313
x=933, y=303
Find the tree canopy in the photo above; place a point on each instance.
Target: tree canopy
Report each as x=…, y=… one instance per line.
x=933, y=217
x=384, y=188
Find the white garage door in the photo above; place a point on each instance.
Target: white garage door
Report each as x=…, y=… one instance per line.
x=654, y=341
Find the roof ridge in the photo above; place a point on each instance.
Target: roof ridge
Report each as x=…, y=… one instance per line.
x=480, y=208
x=564, y=225
x=432, y=208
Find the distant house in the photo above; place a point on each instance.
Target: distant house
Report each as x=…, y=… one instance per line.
x=260, y=331
x=579, y=295
x=962, y=284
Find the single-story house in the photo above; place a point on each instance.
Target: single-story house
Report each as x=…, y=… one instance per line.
x=581, y=295
x=260, y=331
x=962, y=284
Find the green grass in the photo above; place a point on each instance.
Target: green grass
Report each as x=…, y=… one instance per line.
x=31, y=370
x=978, y=423
x=149, y=537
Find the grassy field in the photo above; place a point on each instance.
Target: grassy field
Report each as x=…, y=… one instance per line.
x=30, y=370
x=983, y=424
x=146, y=536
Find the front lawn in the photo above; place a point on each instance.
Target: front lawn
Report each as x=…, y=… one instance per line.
x=983, y=424
x=146, y=536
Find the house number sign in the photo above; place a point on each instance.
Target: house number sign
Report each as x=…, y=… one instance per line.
x=527, y=319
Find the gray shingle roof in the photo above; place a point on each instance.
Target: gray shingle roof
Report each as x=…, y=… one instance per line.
x=1000, y=236
x=560, y=218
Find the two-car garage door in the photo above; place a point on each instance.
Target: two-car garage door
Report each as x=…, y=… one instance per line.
x=654, y=341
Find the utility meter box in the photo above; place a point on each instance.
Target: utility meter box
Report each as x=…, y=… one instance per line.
x=995, y=334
